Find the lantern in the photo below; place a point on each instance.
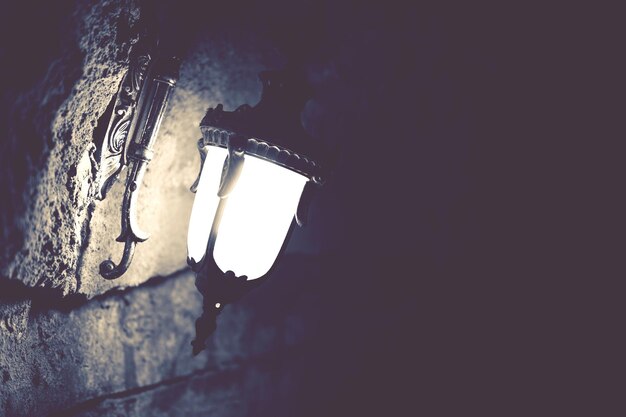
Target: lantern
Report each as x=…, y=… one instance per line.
x=258, y=170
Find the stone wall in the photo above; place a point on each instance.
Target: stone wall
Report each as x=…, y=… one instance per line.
x=409, y=288
x=129, y=353
x=72, y=343
x=74, y=231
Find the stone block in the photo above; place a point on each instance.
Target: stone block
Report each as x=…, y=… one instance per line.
x=82, y=354
x=74, y=349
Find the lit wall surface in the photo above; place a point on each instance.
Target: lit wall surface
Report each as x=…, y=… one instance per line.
x=409, y=292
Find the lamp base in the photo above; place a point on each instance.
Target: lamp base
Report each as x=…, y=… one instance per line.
x=218, y=289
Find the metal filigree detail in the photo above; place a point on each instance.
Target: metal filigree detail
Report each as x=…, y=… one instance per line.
x=112, y=156
x=279, y=155
x=273, y=127
x=139, y=72
x=133, y=139
x=116, y=144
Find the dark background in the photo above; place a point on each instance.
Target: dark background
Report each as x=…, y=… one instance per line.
x=466, y=253
x=467, y=226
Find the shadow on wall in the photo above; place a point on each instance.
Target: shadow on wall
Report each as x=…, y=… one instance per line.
x=386, y=302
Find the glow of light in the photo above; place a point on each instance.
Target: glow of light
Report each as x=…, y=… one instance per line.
x=205, y=203
x=257, y=217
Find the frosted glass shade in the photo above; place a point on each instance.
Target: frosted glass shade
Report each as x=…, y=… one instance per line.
x=205, y=203
x=257, y=217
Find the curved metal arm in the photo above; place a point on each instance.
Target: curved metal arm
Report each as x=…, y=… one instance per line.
x=161, y=79
x=109, y=270
x=131, y=233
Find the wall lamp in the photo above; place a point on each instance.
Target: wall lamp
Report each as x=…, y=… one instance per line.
x=258, y=172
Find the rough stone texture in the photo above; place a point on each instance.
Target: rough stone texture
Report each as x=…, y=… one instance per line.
x=455, y=287
x=47, y=159
x=255, y=389
x=77, y=356
x=64, y=346
x=289, y=346
x=73, y=352
x=286, y=349
x=74, y=232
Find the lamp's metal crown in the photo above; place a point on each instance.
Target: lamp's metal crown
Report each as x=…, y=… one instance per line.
x=272, y=129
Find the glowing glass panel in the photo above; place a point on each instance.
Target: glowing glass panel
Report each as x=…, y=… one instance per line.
x=205, y=203
x=257, y=217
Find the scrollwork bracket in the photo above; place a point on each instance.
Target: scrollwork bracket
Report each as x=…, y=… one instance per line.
x=129, y=140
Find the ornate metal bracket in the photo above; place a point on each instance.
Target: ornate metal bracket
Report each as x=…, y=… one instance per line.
x=112, y=151
x=130, y=137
